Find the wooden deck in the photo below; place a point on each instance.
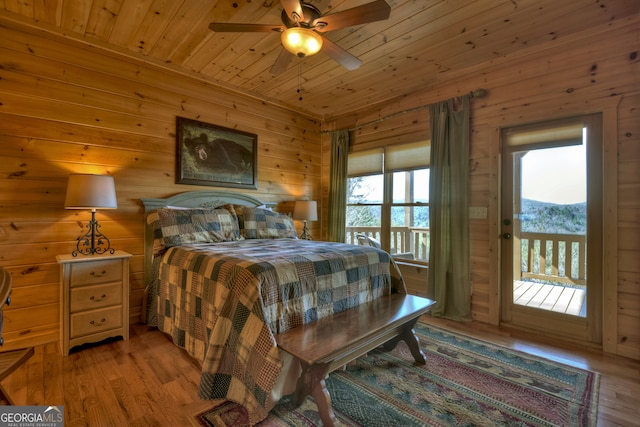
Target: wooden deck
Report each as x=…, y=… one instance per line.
x=558, y=298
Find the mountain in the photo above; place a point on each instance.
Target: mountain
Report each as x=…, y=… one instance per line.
x=553, y=218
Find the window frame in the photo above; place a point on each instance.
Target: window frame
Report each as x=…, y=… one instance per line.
x=388, y=204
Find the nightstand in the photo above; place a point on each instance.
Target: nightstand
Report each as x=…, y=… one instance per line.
x=94, y=297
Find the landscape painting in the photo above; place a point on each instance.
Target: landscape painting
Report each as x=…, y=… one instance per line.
x=215, y=156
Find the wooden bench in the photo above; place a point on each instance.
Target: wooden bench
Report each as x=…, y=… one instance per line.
x=327, y=344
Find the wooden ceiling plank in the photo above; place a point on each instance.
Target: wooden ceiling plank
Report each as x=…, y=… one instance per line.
x=126, y=26
x=20, y=7
x=102, y=18
x=186, y=26
x=46, y=11
x=245, y=50
x=75, y=15
x=158, y=18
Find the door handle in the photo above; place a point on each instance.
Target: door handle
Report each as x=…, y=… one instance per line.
x=506, y=236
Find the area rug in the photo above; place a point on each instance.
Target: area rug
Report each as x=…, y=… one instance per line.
x=466, y=382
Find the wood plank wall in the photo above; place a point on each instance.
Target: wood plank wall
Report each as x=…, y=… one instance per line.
x=595, y=71
x=70, y=108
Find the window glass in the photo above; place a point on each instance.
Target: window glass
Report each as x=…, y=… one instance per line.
x=411, y=186
x=363, y=220
x=365, y=189
x=410, y=231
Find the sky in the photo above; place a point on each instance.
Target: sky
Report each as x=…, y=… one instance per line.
x=555, y=175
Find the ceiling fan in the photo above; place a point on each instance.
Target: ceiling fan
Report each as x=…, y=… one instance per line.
x=302, y=28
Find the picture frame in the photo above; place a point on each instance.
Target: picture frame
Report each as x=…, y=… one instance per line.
x=215, y=156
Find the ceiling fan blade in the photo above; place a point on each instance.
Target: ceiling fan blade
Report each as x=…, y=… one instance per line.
x=375, y=11
x=340, y=55
x=222, y=27
x=282, y=62
x=293, y=9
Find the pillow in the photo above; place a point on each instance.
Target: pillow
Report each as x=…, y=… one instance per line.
x=156, y=231
x=260, y=223
x=373, y=242
x=174, y=227
x=365, y=240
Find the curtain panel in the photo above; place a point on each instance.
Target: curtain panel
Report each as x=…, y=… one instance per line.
x=449, y=259
x=336, y=218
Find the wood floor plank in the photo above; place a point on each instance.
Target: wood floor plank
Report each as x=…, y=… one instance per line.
x=577, y=302
x=552, y=298
x=541, y=295
x=148, y=381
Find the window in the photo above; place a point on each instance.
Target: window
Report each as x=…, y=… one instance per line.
x=388, y=199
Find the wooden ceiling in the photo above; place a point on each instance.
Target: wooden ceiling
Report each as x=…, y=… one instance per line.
x=420, y=45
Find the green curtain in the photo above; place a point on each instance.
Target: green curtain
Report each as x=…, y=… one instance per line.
x=337, y=216
x=449, y=258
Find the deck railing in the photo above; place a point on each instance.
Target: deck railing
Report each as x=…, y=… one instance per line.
x=554, y=257
x=413, y=240
x=557, y=258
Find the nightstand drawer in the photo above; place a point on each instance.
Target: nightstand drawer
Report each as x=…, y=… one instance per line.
x=86, y=273
x=91, y=322
x=95, y=296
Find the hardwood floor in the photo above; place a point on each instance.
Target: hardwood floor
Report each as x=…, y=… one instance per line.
x=147, y=381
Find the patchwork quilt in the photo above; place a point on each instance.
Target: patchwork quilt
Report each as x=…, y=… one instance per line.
x=224, y=303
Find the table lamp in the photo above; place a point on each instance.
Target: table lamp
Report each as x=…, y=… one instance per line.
x=85, y=191
x=305, y=210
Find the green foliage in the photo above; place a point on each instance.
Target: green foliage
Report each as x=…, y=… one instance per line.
x=541, y=217
x=363, y=216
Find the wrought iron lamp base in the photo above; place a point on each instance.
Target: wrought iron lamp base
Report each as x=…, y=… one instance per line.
x=305, y=232
x=93, y=242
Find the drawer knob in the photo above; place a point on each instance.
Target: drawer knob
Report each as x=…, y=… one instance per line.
x=96, y=299
x=99, y=273
x=100, y=323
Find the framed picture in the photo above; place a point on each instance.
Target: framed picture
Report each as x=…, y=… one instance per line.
x=215, y=156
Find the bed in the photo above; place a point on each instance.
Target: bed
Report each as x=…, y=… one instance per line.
x=225, y=274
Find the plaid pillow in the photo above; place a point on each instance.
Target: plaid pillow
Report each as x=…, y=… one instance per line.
x=259, y=223
x=154, y=223
x=174, y=227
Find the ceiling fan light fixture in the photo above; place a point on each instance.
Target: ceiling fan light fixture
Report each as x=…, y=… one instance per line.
x=301, y=41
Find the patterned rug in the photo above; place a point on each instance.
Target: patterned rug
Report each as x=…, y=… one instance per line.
x=466, y=382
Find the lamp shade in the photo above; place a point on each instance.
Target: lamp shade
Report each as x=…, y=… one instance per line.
x=306, y=210
x=301, y=41
x=85, y=191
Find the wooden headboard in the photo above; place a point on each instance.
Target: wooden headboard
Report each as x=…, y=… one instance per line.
x=190, y=199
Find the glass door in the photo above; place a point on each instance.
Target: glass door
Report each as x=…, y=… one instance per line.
x=552, y=227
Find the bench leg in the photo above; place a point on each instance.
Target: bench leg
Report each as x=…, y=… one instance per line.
x=409, y=336
x=323, y=400
x=311, y=382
